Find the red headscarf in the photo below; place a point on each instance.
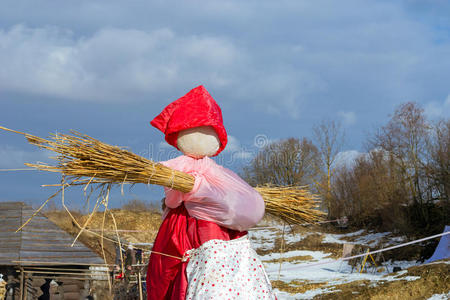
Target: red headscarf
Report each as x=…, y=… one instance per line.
x=196, y=108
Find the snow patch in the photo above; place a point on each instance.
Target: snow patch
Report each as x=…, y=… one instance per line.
x=440, y=296
x=336, y=238
x=370, y=239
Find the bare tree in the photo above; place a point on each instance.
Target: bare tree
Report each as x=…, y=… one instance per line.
x=286, y=162
x=370, y=191
x=403, y=182
x=404, y=138
x=329, y=138
x=438, y=167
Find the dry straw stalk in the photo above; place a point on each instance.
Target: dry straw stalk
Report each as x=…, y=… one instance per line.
x=293, y=204
x=83, y=160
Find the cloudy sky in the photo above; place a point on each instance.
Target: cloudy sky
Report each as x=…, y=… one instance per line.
x=276, y=68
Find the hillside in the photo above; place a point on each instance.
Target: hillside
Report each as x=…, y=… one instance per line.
x=296, y=251
x=134, y=227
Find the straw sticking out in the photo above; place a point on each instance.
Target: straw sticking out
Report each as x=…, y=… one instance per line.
x=292, y=204
x=83, y=160
x=82, y=156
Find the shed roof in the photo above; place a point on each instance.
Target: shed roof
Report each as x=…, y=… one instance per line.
x=39, y=241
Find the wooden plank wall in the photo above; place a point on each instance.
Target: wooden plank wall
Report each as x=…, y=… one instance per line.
x=10, y=218
x=39, y=241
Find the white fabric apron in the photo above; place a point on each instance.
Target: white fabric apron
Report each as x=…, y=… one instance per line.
x=226, y=270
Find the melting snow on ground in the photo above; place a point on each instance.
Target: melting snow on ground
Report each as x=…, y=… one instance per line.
x=369, y=239
x=315, y=267
x=440, y=296
x=264, y=237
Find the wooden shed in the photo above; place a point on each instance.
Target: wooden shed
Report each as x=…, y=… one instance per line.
x=41, y=254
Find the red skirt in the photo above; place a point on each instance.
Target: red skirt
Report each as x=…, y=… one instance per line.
x=179, y=232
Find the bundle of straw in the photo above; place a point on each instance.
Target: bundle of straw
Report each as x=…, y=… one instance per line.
x=83, y=160
x=293, y=204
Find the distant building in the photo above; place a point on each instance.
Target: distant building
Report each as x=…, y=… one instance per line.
x=38, y=262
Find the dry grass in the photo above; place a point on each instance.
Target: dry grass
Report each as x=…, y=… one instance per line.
x=290, y=259
x=144, y=226
x=296, y=287
x=91, y=240
x=434, y=279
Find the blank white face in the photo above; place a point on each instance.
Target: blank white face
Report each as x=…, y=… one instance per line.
x=198, y=142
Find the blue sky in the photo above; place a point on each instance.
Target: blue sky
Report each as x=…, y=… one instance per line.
x=276, y=68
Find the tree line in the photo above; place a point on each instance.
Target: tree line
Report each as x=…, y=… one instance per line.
x=401, y=182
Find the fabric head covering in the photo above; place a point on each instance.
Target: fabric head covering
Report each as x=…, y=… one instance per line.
x=196, y=108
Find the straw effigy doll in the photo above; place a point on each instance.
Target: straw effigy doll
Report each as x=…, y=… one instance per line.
x=202, y=250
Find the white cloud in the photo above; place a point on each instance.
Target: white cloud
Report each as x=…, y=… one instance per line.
x=347, y=158
x=348, y=117
x=374, y=53
x=233, y=144
x=14, y=158
x=244, y=155
x=236, y=150
x=110, y=65
x=125, y=65
x=435, y=109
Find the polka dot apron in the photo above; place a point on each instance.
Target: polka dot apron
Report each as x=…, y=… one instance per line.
x=226, y=270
